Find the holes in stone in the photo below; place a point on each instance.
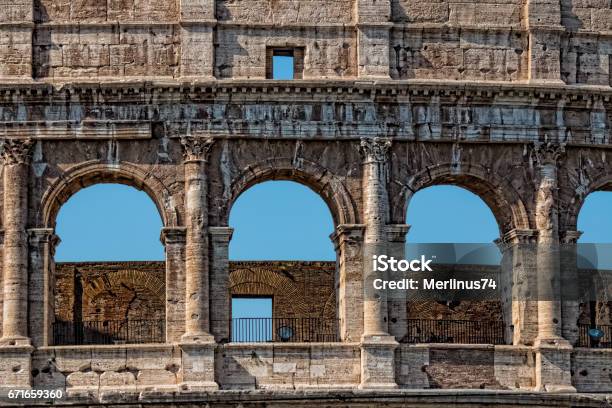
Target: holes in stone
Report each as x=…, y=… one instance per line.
x=584, y=373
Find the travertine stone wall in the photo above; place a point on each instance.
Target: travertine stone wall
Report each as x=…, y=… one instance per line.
x=459, y=12
x=287, y=366
x=585, y=15
x=591, y=370
x=475, y=366
x=458, y=54
x=454, y=40
x=285, y=11
x=240, y=51
x=107, y=51
x=116, y=11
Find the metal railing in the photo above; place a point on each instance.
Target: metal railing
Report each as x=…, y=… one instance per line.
x=278, y=329
x=109, y=332
x=584, y=340
x=454, y=331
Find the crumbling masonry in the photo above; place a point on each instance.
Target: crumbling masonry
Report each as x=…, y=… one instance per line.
x=509, y=99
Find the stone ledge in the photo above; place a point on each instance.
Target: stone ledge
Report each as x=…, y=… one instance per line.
x=342, y=398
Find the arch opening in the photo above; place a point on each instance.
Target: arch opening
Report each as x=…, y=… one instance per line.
x=109, y=269
x=594, y=270
x=457, y=228
x=281, y=251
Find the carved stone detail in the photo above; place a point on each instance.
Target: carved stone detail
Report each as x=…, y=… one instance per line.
x=16, y=151
x=375, y=150
x=548, y=153
x=196, y=148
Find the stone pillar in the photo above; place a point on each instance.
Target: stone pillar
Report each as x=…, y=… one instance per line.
x=220, y=300
x=518, y=280
x=197, y=319
x=16, y=157
x=552, y=351
x=41, y=287
x=570, y=303
x=197, y=344
x=543, y=23
x=173, y=239
x=348, y=242
x=373, y=28
x=397, y=306
x=197, y=32
x=377, y=346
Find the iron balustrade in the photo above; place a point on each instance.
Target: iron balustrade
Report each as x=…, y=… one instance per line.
x=109, y=332
x=584, y=340
x=279, y=329
x=454, y=331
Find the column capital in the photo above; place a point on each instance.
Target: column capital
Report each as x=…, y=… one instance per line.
x=16, y=151
x=37, y=236
x=375, y=150
x=517, y=236
x=397, y=232
x=196, y=148
x=347, y=232
x=570, y=237
x=173, y=235
x=221, y=234
x=547, y=153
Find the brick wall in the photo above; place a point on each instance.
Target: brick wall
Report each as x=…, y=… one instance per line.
x=110, y=291
x=136, y=290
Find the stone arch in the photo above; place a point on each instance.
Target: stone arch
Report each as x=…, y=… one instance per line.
x=319, y=179
x=95, y=172
x=260, y=281
x=134, y=281
x=569, y=221
x=499, y=195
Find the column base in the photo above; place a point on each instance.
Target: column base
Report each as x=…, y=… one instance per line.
x=16, y=365
x=197, y=386
x=15, y=342
x=553, y=365
x=198, y=365
x=197, y=338
x=378, y=361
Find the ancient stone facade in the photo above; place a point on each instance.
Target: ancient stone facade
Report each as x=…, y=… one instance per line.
x=508, y=99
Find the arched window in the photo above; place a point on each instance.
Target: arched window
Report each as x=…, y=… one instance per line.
x=594, y=265
x=457, y=229
x=282, y=278
x=281, y=220
x=110, y=269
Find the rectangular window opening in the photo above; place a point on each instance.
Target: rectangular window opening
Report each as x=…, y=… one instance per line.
x=252, y=319
x=284, y=63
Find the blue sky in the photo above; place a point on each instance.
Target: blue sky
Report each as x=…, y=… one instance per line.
x=279, y=220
